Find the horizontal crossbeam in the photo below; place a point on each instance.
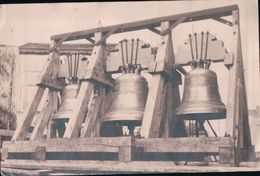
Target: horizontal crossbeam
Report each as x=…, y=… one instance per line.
x=180, y=145
x=70, y=145
x=144, y=24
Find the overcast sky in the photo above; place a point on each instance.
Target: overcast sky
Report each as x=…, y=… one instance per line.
x=24, y=23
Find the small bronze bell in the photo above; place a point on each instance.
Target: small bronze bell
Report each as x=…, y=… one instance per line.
x=68, y=100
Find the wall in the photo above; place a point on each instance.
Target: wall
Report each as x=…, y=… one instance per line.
x=8, y=58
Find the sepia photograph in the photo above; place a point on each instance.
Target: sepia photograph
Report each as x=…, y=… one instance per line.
x=134, y=87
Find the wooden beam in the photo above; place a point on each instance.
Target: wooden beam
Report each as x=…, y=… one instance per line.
x=4, y=132
x=222, y=20
x=154, y=22
x=90, y=40
x=95, y=144
x=237, y=116
x=103, y=109
x=125, y=151
x=182, y=145
x=103, y=39
x=40, y=153
x=4, y=153
x=79, y=112
x=233, y=87
x=167, y=112
x=50, y=70
x=104, y=167
x=92, y=116
x=154, y=30
x=50, y=83
x=86, y=89
x=43, y=118
x=175, y=24
x=155, y=100
x=25, y=172
x=178, y=125
x=22, y=128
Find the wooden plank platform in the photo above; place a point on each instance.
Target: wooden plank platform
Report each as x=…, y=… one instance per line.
x=101, y=144
x=202, y=144
x=8, y=133
x=118, y=167
x=25, y=172
x=112, y=144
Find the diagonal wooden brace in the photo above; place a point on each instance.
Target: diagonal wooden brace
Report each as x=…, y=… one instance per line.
x=175, y=24
x=103, y=39
x=154, y=30
x=50, y=71
x=44, y=116
x=222, y=20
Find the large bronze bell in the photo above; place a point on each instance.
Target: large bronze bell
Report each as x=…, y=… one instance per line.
x=201, y=99
x=68, y=101
x=129, y=100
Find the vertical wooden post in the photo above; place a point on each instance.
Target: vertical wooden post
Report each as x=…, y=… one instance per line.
x=126, y=152
x=40, y=153
x=233, y=90
x=92, y=124
x=155, y=100
x=48, y=72
x=4, y=154
x=237, y=125
x=233, y=79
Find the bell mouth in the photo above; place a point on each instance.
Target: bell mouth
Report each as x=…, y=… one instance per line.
x=124, y=122
x=204, y=111
x=202, y=116
x=124, y=117
x=61, y=118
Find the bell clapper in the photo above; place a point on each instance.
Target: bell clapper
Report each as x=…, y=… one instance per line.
x=131, y=129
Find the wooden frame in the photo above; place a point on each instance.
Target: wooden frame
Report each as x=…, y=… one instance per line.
x=163, y=97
